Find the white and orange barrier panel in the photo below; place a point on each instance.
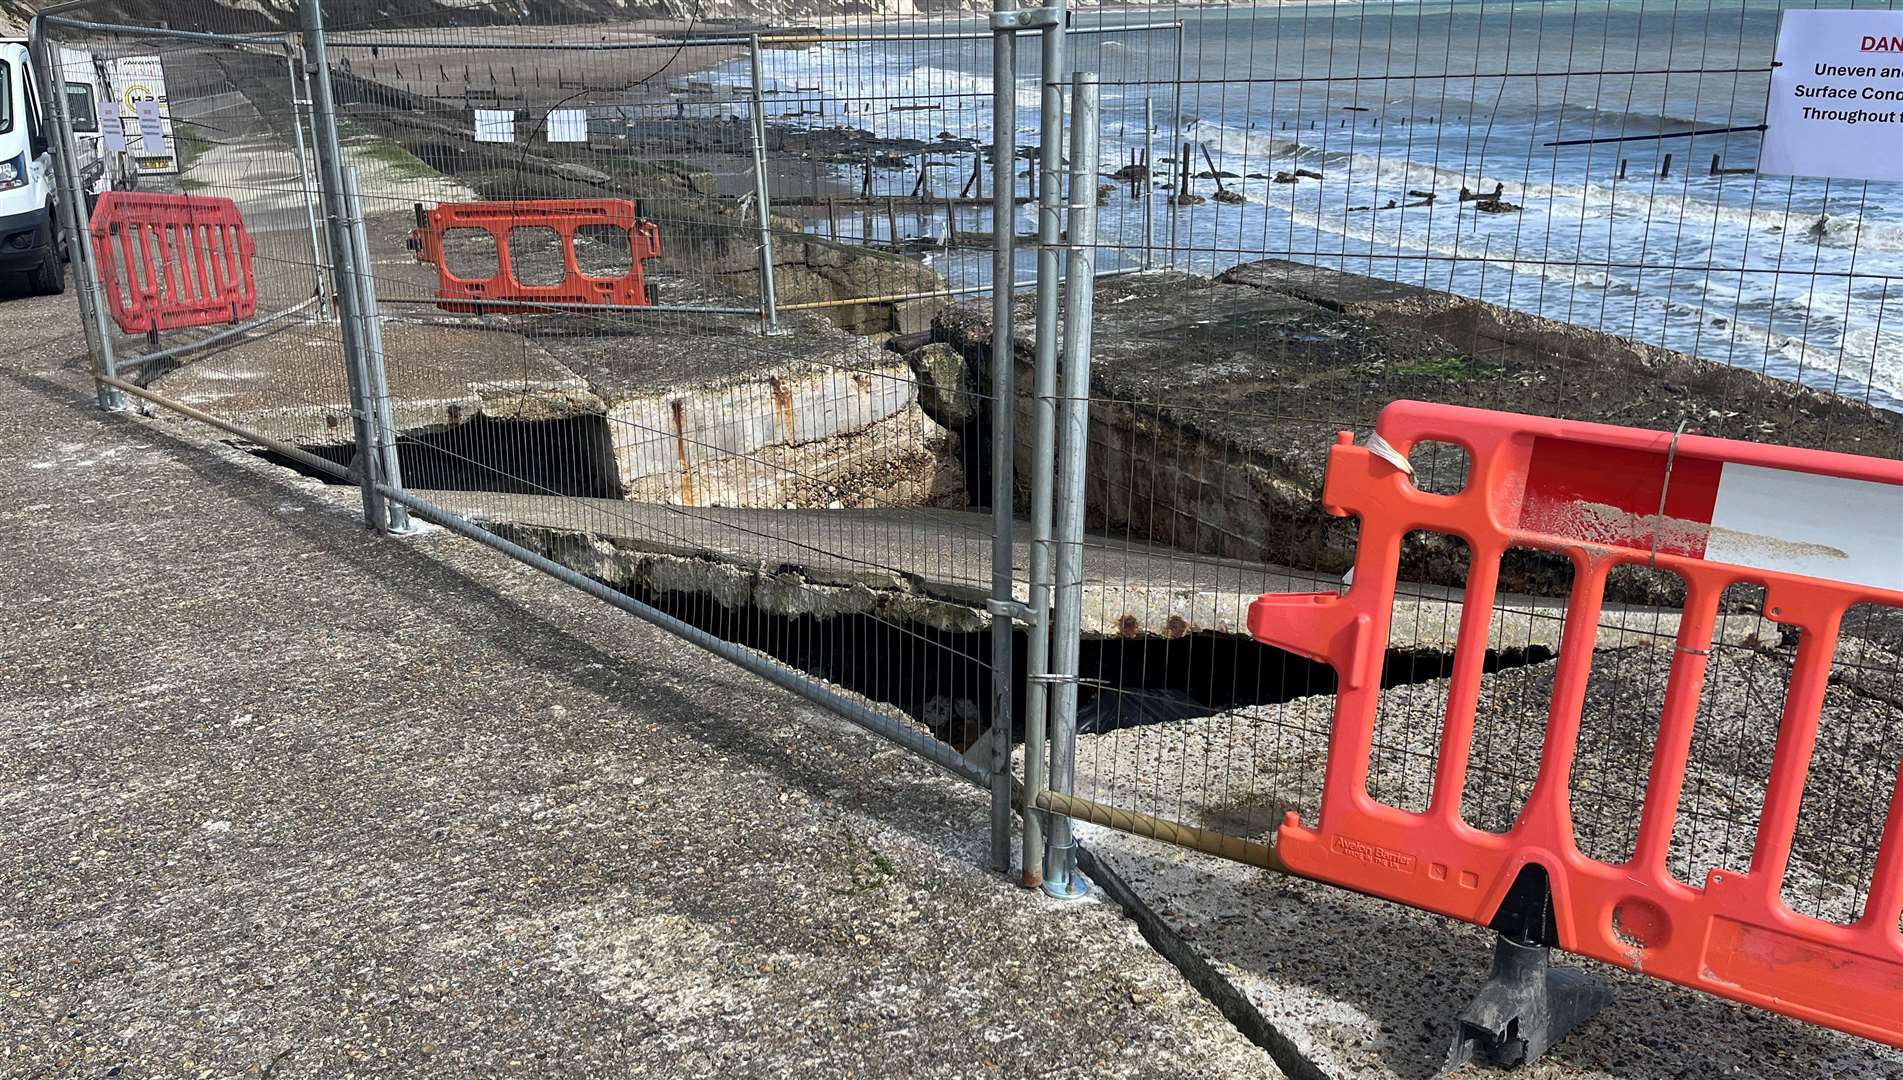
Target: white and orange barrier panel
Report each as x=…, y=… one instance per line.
x=1819, y=531
x=504, y=289
x=167, y=261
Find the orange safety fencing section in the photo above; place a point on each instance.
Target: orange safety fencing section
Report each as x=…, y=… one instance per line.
x=168, y=261
x=1819, y=531
x=505, y=289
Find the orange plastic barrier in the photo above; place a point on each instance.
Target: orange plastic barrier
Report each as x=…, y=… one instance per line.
x=504, y=290
x=168, y=261
x=1820, y=531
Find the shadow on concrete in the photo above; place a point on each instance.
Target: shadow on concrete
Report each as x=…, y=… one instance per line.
x=477, y=608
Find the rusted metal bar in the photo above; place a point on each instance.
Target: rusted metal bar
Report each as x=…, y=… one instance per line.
x=1208, y=841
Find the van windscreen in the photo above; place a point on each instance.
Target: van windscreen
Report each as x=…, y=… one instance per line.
x=6, y=97
x=80, y=107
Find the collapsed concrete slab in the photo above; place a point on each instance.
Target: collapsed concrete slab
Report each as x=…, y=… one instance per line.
x=1130, y=591
x=848, y=431
x=697, y=410
x=1214, y=402
x=706, y=411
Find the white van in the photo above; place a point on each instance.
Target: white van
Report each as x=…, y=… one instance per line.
x=30, y=244
x=29, y=225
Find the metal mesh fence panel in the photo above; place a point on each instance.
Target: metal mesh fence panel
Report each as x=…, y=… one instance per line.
x=648, y=301
x=1546, y=209
x=742, y=451
x=201, y=205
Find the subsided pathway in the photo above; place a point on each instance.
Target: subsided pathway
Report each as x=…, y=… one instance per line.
x=284, y=797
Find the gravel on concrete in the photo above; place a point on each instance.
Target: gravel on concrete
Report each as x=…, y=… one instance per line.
x=1241, y=771
x=283, y=797
x=1366, y=989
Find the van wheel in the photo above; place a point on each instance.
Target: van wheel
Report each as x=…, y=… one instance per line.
x=49, y=277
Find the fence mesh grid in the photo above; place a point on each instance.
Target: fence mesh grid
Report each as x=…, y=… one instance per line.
x=1338, y=207
x=743, y=482
x=807, y=492
x=1493, y=205
x=274, y=362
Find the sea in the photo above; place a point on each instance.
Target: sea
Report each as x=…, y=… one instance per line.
x=1568, y=110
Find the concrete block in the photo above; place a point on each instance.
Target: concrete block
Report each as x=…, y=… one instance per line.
x=728, y=444
x=915, y=316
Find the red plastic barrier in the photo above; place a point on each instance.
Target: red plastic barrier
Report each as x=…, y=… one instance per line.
x=503, y=290
x=168, y=261
x=1820, y=531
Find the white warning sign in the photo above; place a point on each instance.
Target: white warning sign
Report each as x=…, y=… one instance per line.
x=151, y=126
x=1836, y=107
x=495, y=125
x=568, y=125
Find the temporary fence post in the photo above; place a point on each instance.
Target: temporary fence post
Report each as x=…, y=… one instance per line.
x=309, y=105
x=342, y=268
x=1149, y=182
x=1176, y=129
x=1050, y=191
x=1080, y=286
x=69, y=203
x=1004, y=131
x=376, y=383
x=762, y=205
x=304, y=180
